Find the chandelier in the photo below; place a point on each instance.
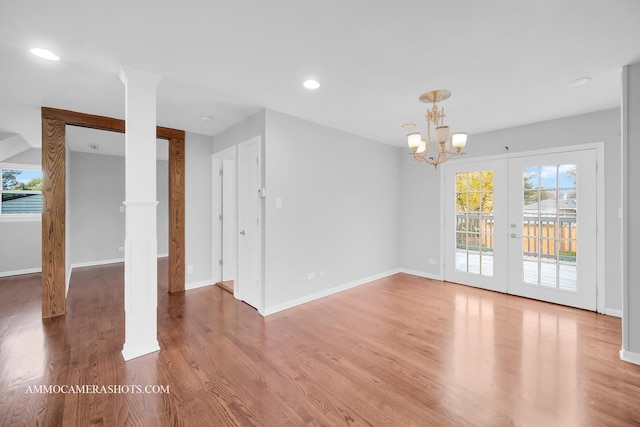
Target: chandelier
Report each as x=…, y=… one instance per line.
x=444, y=140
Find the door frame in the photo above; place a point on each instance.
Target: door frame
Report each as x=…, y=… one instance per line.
x=218, y=232
x=54, y=265
x=599, y=147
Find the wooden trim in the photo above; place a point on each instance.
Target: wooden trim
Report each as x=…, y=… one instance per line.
x=176, y=215
x=84, y=120
x=53, y=217
x=103, y=123
x=54, y=192
x=168, y=133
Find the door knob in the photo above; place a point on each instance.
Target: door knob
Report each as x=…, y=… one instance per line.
x=242, y=232
x=514, y=235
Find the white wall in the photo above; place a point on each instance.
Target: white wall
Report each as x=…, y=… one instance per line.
x=198, y=218
x=420, y=195
x=252, y=126
x=340, y=209
x=96, y=191
x=21, y=247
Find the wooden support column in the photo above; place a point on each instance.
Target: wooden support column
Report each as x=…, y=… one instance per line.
x=53, y=217
x=176, y=215
x=141, y=242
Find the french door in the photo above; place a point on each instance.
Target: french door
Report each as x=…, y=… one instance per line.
x=476, y=208
x=525, y=226
x=552, y=228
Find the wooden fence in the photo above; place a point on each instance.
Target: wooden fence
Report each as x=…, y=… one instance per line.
x=548, y=236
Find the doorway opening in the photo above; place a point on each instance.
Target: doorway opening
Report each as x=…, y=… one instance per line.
x=224, y=218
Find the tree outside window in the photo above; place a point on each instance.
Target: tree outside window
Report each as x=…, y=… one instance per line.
x=21, y=191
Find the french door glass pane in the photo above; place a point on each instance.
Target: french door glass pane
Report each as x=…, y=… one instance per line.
x=474, y=222
x=549, y=225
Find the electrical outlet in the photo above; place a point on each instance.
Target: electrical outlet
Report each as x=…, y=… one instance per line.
x=311, y=276
x=432, y=261
x=322, y=273
x=189, y=269
x=121, y=248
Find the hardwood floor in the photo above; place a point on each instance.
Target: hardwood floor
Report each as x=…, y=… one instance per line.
x=399, y=351
x=227, y=286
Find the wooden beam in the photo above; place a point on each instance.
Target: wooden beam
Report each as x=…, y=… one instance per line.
x=84, y=120
x=92, y=121
x=53, y=211
x=53, y=217
x=176, y=215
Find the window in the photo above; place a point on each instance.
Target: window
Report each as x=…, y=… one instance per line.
x=21, y=191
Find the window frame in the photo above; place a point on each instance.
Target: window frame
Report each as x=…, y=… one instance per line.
x=24, y=216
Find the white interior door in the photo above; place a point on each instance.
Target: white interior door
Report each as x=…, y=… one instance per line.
x=475, y=207
x=249, y=260
x=552, y=228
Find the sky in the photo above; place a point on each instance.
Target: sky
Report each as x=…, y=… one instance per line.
x=549, y=175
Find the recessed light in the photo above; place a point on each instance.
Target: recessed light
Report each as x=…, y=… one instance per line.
x=206, y=118
x=408, y=126
x=578, y=82
x=44, y=53
x=311, y=84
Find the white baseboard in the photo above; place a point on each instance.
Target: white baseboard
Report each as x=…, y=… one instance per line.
x=131, y=351
x=422, y=274
x=612, y=312
x=95, y=263
x=200, y=284
x=68, y=280
x=629, y=356
x=266, y=311
x=20, y=272
x=104, y=262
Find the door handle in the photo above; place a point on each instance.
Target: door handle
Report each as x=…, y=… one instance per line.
x=242, y=232
x=514, y=235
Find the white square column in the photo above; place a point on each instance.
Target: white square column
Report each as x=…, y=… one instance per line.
x=630, y=351
x=141, y=251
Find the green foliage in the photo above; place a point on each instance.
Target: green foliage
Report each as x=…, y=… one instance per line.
x=9, y=178
x=474, y=191
x=10, y=181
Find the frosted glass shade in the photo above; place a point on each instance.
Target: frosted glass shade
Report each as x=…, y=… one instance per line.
x=442, y=133
x=422, y=147
x=414, y=140
x=459, y=139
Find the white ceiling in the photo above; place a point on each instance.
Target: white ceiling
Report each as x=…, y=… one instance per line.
x=505, y=61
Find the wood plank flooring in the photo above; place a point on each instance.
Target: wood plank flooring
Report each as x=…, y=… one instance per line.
x=227, y=286
x=400, y=351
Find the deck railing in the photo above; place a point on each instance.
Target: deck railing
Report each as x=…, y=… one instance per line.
x=547, y=236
